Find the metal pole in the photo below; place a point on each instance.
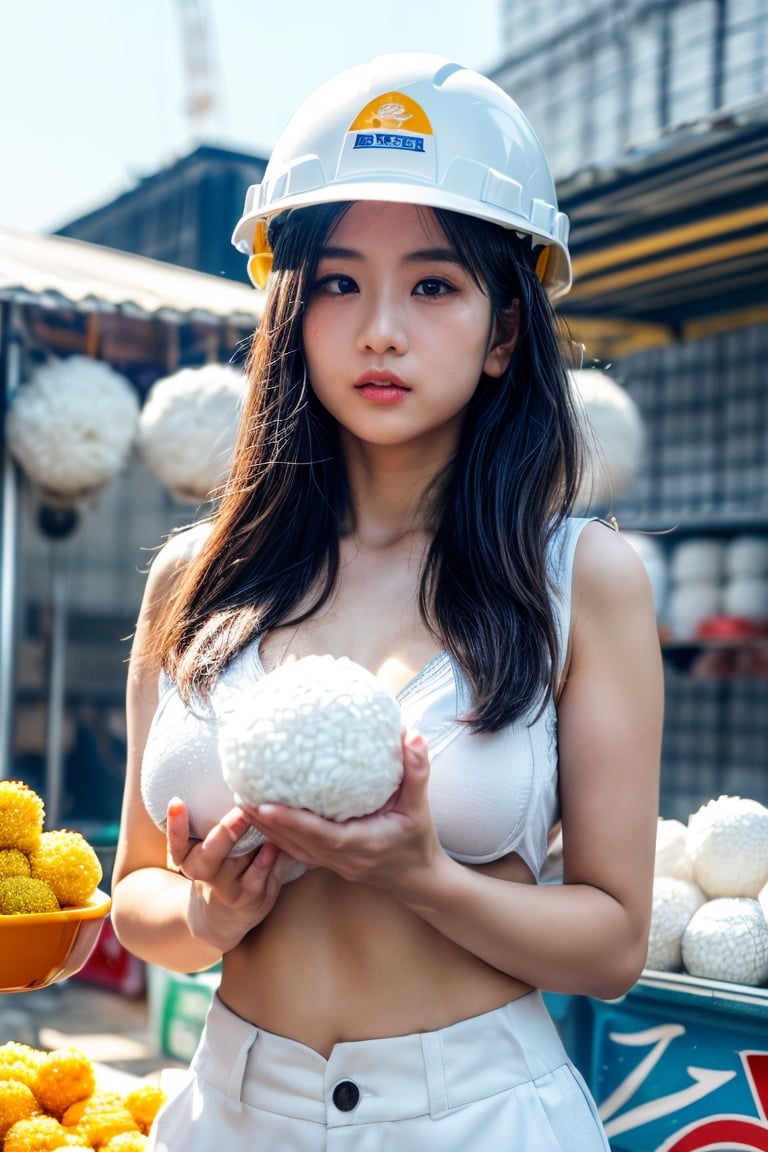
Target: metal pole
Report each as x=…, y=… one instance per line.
x=10, y=376
x=54, y=763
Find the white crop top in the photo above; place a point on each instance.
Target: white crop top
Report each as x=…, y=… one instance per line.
x=490, y=794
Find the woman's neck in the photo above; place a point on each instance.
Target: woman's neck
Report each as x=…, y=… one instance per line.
x=392, y=494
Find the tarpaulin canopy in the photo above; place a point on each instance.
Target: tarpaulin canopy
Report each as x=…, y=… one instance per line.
x=670, y=242
x=56, y=271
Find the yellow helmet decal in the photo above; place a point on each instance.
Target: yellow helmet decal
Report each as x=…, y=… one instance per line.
x=392, y=112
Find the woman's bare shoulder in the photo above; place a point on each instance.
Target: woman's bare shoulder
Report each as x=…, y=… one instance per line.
x=180, y=548
x=607, y=569
x=170, y=561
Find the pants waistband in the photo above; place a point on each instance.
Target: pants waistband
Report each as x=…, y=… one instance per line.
x=396, y=1077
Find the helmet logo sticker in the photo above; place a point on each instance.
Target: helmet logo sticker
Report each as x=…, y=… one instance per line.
x=391, y=120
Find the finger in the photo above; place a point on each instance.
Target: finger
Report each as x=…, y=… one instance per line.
x=415, y=769
x=226, y=833
x=255, y=876
x=295, y=829
x=217, y=846
x=177, y=830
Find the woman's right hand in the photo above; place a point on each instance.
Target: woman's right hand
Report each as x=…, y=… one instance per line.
x=229, y=895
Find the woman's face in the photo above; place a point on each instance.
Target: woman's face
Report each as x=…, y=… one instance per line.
x=396, y=332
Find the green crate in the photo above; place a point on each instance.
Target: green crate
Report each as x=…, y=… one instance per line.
x=178, y=1005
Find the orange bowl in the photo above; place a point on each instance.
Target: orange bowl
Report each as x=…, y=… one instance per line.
x=39, y=948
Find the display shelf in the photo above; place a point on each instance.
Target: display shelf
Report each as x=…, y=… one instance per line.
x=673, y=526
x=683, y=652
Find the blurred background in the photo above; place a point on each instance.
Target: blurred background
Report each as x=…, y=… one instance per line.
x=97, y=95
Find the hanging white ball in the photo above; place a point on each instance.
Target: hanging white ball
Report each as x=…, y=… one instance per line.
x=614, y=434
x=72, y=426
x=187, y=429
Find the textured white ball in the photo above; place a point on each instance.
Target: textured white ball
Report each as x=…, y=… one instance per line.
x=762, y=899
x=654, y=560
x=614, y=433
x=320, y=733
x=727, y=841
x=746, y=556
x=72, y=426
x=746, y=597
x=690, y=603
x=672, y=857
x=187, y=428
x=699, y=558
x=674, y=903
x=727, y=939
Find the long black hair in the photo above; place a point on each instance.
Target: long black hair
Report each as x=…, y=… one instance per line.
x=275, y=536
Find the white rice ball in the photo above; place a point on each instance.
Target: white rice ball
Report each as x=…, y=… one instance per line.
x=674, y=903
x=746, y=598
x=672, y=857
x=654, y=560
x=727, y=840
x=187, y=429
x=319, y=733
x=614, y=433
x=700, y=558
x=727, y=939
x=72, y=426
x=746, y=556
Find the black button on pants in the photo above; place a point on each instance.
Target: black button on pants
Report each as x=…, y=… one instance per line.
x=346, y=1095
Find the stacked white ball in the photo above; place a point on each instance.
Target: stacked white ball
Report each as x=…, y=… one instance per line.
x=710, y=895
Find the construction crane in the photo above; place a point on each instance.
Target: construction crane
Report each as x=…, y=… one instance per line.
x=200, y=103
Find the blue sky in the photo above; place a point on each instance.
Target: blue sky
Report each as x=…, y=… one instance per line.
x=92, y=92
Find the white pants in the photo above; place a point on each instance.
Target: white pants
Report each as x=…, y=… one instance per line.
x=496, y=1083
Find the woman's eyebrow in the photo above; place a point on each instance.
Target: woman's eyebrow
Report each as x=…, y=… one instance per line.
x=444, y=255
x=334, y=252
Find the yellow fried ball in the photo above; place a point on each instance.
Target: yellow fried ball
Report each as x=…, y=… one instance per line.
x=99, y=1118
x=125, y=1142
x=20, y=895
x=17, y=1102
x=18, y=1071
x=144, y=1103
x=97, y=1099
x=67, y=862
x=14, y=862
x=19, y=1062
x=65, y=1075
x=15, y=1050
x=37, y=1134
x=22, y=813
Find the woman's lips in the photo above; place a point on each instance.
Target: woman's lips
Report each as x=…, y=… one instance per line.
x=381, y=387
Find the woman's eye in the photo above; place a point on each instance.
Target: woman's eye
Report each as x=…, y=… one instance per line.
x=432, y=286
x=336, y=285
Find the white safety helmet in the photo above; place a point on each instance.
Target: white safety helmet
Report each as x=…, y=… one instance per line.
x=415, y=129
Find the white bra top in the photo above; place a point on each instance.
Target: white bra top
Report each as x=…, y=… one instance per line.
x=490, y=794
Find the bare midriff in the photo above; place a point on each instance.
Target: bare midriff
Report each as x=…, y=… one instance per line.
x=336, y=961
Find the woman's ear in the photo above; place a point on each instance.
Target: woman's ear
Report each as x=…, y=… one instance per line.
x=503, y=342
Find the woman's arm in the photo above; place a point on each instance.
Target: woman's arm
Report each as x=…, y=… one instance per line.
x=159, y=914
x=588, y=935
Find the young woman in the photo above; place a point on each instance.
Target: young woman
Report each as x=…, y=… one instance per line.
x=401, y=495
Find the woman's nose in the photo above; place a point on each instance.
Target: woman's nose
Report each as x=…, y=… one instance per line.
x=383, y=327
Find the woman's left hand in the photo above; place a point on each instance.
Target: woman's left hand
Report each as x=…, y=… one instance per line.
x=382, y=849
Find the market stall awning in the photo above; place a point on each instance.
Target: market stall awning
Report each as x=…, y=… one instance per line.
x=671, y=241
x=55, y=271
